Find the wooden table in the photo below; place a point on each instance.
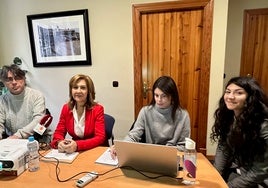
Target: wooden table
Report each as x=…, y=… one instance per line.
x=207, y=176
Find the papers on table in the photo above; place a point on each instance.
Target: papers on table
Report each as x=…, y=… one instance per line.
x=62, y=157
x=106, y=158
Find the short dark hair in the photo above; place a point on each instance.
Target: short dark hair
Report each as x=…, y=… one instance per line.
x=14, y=69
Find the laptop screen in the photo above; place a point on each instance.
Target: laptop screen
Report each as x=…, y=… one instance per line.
x=159, y=159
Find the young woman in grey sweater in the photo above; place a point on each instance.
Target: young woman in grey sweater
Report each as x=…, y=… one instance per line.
x=163, y=121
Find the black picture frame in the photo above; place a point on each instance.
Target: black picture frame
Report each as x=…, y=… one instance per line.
x=60, y=38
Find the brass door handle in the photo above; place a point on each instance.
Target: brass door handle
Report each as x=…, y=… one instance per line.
x=145, y=89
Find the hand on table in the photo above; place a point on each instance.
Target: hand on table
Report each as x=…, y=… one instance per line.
x=67, y=145
x=13, y=137
x=113, y=152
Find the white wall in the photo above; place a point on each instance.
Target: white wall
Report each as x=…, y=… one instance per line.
x=217, y=64
x=234, y=33
x=110, y=25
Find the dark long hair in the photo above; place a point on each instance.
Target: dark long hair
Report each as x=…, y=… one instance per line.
x=244, y=139
x=168, y=86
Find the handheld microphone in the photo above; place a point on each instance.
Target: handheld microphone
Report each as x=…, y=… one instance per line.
x=46, y=120
x=41, y=127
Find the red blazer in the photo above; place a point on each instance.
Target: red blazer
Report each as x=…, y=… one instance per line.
x=94, y=128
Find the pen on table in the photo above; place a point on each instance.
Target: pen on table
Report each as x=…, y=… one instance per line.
x=110, y=142
x=111, y=150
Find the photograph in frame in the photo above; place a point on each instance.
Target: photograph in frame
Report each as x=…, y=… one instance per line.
x=60, y=38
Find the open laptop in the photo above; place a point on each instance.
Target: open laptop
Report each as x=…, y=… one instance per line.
x=159, y=159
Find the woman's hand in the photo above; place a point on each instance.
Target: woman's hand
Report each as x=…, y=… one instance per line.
x=67, y=145
x=61, y=146
x=113, y=152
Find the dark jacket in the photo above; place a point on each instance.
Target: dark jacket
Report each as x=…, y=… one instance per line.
x=249, y=176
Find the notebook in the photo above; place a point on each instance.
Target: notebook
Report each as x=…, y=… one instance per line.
x=106, y=158
x=62, y=157
x=159, y=159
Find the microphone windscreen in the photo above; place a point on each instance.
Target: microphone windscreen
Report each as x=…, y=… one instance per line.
x=46, y=120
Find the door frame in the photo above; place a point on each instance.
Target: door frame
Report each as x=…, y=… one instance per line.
x=254, y=42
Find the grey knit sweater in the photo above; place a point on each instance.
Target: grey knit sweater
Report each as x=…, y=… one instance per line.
x=19, y=114
x=159, y=128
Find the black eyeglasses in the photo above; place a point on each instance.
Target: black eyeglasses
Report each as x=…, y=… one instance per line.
x=11, y=79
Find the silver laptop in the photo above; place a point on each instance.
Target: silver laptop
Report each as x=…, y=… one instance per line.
x=159, y=159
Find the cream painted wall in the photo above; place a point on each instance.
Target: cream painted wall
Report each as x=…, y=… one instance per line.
x=217, y=64
x=110, y=25
x=234, y=33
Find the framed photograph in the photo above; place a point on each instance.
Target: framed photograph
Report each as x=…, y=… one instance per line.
x=60, y=38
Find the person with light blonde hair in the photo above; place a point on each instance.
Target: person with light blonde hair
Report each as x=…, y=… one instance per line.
x=81, y=117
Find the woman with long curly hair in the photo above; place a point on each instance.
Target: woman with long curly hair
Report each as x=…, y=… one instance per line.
x=241, y=129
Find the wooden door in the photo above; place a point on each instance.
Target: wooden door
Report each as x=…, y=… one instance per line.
x=254, y=57
x=174, y=38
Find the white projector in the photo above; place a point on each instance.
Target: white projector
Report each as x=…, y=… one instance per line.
x=13, y=156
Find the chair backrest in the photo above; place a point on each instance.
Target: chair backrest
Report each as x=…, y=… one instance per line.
x=109, y=125
x=143, y=139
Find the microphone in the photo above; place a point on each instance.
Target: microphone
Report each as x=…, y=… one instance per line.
x=41, y=127
x=46, y=120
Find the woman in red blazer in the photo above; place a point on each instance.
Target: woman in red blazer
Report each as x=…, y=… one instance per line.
x=82, y=118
